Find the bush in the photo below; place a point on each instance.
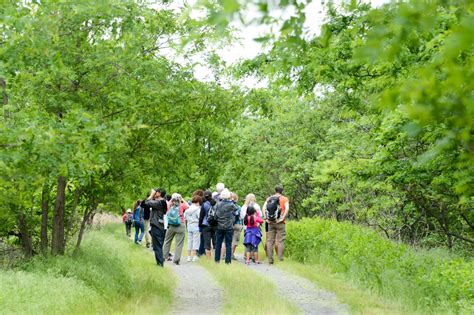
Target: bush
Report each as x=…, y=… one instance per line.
x=430, y=280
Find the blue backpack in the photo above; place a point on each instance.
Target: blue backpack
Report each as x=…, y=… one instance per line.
x=173, y=216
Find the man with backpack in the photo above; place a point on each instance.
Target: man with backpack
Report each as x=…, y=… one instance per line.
x=276, y=209
x=146, y=218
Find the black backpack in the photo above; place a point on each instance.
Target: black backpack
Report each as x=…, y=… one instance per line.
x=212, y=216
x=273, y=210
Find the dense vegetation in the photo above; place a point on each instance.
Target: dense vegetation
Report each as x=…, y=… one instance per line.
x=369, y=121
x=421, y=280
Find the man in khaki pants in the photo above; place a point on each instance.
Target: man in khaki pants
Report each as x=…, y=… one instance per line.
x=146, y=217
x=276, y=209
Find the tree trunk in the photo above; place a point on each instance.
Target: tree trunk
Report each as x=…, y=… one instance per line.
x=85, y=219
x=72, y=217
x=25, y=236
x=44, y=218
x=57, y=241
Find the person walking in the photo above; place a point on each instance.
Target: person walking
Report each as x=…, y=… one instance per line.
x=208, y=231
x=251, y=202
x=127, y=219
x=191, y=216
x=138, y=222
x=175, y=227
x=146, y=220
x=253, y=235
x=225, y=213
x=276, y=209
x=237, y=224
x=158, y=210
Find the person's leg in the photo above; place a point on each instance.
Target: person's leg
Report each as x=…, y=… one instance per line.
x=142, y=232
x=137, y=231
x=190, y=244
x=168, y=239
x=248, y=249
x=206, y=236
x=157, y=237
x=271, y=235
x=236, y=238
x=196, y=243
x=180, y=230
x=218, y=245
x=228, y=245
x=147, y=233
x=280, y=239
x=201, y=250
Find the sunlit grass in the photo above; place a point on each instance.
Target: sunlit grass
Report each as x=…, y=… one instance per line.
x=247, y=292
x=110, y=275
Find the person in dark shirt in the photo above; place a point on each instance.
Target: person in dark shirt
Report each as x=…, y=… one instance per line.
x=158, y=207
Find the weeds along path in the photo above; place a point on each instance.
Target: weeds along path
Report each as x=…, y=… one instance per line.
x=300, y=291
x=195, y=289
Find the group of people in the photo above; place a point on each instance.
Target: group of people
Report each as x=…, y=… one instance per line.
x=213, y=222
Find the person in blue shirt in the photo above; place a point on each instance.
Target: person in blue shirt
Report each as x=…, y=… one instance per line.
x=138, y=221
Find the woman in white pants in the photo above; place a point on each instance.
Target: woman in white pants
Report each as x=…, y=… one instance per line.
x=191, y=215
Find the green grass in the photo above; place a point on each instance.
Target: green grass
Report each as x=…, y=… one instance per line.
x=360, y=300
x=423, y=282
x=109, y=275
x=240, y=295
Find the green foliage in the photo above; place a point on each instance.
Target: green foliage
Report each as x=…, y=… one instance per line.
x=430, y=280
x=100, y=279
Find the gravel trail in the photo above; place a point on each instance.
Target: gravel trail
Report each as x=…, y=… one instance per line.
x=300, y=291
x=190, y=295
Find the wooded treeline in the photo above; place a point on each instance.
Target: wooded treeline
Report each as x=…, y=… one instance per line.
x=370, y=120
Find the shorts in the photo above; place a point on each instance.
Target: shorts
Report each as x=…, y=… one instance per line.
x=208, y=234
x=249, y=248
x=237, y=233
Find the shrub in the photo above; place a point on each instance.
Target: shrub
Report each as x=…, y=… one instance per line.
x=426, y=279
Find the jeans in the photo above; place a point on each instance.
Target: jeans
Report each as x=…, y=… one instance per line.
x=139, y=227
x=157, y=240
x=224, y=235
x=128, y=228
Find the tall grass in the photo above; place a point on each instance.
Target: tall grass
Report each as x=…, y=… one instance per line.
x=109, y=275
x=427, y=281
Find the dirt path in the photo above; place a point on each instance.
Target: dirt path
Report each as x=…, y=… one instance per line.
x=195, y=289
x=300, y=291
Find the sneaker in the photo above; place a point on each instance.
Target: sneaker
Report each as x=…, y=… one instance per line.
x=176, y=263
x=195, y=258
x=189, y=258
x=169, y=259
x=233, y=257
x=247, y=262
x=257, y=262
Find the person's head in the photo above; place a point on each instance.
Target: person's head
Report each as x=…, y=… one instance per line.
x=159, y=192
x=207, y=195
x=137, y=203
x=220, y=187
x=199, y=192
x=176, y=198
x=214, y=194
x=196, y=200
x=250, y=198
x=129, y=210
x=225, y=194
x=168, y=197
x=234, y=197
x=279, y=189
x=251, y=211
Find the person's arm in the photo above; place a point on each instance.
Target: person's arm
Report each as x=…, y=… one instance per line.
x=264, y=211
x=243, y=211
x=287, y=208
x=202, y=214
x=258, y=219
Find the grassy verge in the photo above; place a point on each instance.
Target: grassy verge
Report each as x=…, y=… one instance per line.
x=109, y=275
x=360, y=300
x=246, y=292
x=423, y=282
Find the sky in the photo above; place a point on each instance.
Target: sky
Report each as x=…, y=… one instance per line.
x=246, y=47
